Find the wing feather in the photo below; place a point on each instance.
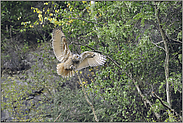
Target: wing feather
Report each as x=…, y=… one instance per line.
x=88, y=60
x=60, y=46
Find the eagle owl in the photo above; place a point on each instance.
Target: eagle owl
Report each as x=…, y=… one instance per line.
x=69, y=61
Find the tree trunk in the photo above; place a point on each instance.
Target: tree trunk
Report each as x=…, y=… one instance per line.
x=166, y=58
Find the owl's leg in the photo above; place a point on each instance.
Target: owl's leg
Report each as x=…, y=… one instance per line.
x=72, y=67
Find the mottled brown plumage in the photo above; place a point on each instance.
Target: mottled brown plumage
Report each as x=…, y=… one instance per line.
x=69, y=61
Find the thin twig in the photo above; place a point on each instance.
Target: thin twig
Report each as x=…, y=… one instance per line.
x=157, y=45
x=159, y=42
x=96, y=119
x=57, y=117
x=177, y=41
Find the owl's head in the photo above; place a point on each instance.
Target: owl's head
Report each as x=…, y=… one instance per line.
x=76, y=58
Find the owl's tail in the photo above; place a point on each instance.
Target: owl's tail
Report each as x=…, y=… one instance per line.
x=63, y=72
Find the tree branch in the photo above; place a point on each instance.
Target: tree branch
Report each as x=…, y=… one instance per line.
x=57, y=117
x=177, y=41
x=157, y=43
x=165, y=105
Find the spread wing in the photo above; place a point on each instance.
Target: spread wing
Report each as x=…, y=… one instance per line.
x=89, y=58
x=60, y=46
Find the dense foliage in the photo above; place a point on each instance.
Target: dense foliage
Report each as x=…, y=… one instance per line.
x=143, y=44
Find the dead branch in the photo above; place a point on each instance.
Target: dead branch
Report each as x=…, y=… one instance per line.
x=57, y=117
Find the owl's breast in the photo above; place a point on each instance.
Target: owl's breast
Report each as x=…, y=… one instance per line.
x=76, y=62
x=68, y=63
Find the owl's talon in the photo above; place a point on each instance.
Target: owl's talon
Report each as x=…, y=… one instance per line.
x=72, y=67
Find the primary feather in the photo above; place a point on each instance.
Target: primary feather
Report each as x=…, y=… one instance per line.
x=60, y=47
x=88, y=60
